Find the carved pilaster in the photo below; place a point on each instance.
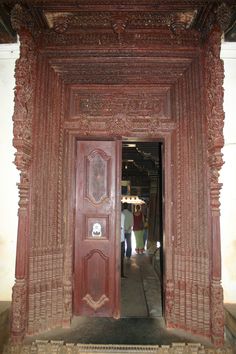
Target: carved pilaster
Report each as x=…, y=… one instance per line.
x=24, y=92
x=214, y=75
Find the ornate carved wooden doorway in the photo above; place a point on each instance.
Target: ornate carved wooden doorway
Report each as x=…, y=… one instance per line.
x=135, y=72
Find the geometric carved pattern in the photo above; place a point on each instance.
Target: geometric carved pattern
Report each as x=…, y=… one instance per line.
x=96, y=274
x=58, y=346
x=95, y=305
x=97, y=172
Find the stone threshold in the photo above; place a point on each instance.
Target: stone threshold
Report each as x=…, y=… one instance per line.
x=59, y=347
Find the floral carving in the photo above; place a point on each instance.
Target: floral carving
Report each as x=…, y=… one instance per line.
x=22, y=128
x=154, y=125
x=118, y=125
x=215, y=113
x=214, y=75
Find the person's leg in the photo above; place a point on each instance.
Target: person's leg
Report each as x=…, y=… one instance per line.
x=145, y=236
x=128, y=244
x=139, y=241
x=136, y=234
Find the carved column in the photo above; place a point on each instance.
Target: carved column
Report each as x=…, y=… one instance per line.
x=24, y=92
x=214, y=74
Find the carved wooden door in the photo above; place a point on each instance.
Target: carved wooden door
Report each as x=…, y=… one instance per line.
x=97, y=229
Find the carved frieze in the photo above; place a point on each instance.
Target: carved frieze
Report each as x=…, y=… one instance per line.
x=119, y=112
x=133, y=19
x=136, y=39
x=110, y=103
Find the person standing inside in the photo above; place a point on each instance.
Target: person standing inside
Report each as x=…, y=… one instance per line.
x=129, y=221
x=138, y=229
x=122, y=245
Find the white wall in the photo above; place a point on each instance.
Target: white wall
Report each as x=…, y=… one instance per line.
x=9, y=175
x=228, y=177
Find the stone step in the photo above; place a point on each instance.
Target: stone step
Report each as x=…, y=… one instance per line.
x=46, y=347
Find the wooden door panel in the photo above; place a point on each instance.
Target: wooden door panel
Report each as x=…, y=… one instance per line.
x=95, y=271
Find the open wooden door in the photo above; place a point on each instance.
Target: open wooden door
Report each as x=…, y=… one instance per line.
x=97, y=229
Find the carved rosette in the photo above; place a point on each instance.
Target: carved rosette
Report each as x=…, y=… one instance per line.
x=154, y=126
x=214, y=75
x=22, y=141
x=118, y=125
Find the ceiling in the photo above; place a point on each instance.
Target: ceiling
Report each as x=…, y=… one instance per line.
x=100, y=15
x=141, y=162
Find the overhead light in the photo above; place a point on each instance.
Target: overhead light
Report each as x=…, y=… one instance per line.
x=132, y=199
x=129, y=145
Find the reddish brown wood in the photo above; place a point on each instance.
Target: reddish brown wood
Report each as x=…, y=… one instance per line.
x=131, y=74
x=96, y=268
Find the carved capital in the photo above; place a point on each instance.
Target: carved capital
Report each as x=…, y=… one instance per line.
x=220, y=17
x=20, y=18
x=224, y=15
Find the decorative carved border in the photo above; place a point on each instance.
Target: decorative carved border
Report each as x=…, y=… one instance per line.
x=25, y=72
x=57, y=346
x=214, y=75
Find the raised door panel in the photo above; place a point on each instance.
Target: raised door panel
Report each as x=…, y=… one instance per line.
x=96, y=264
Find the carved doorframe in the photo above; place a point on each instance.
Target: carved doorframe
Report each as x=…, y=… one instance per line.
x=194, y=295
x=71, y=136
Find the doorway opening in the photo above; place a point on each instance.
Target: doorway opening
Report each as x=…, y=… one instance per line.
x=142, y=187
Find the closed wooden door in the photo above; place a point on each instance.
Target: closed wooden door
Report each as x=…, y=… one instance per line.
x=97, y=229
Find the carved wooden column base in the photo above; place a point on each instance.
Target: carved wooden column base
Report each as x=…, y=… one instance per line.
x=169, y=303
x=67, y=314
x=217, y=311
x=18, y=311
